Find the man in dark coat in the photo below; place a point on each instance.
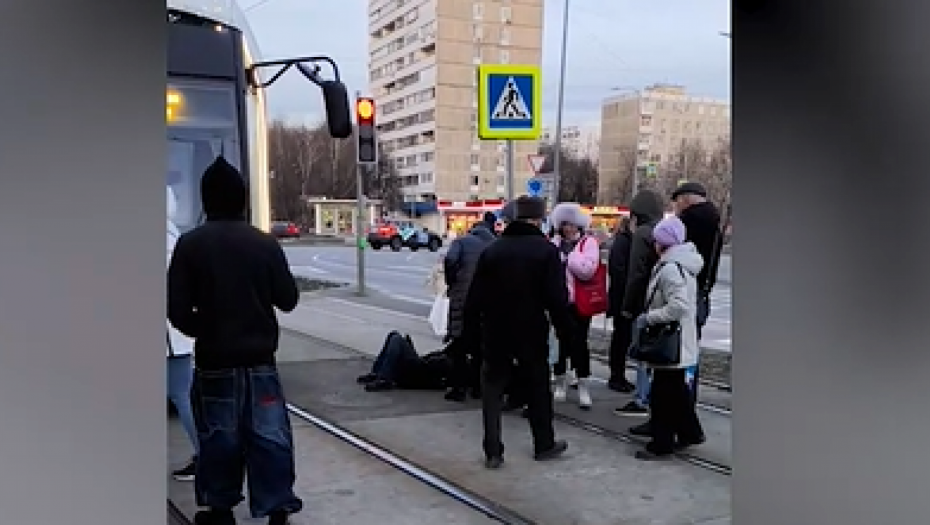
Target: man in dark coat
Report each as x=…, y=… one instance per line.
x=518, y=287
x=459, y=267
x=618, y=263
x=702, y=223
x=646, y=209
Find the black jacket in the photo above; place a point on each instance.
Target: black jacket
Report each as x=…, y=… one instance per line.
x=618, y=265
x=226, y=278
x=702, y=223
x=459, y=267
x=518, y=281
x=648, y=208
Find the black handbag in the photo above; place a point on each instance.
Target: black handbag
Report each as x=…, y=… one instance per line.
x=659, y=344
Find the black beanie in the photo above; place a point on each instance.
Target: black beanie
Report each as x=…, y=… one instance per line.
x=223, y=191
x=531, y=208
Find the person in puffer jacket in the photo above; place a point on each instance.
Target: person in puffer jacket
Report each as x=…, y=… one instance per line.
x=581, y=256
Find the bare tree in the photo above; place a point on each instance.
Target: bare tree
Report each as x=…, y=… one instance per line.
x=308, y=162
x=711, y=166
x=578, y=178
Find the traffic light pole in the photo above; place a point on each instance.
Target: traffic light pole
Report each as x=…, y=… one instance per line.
x=366, y=150
x=360, y=226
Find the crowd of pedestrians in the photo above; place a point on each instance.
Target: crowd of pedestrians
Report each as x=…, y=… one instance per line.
x=512, y=281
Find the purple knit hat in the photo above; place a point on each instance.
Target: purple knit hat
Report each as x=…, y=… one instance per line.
x=670, y=231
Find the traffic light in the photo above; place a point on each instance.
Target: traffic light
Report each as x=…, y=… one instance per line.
x=367, y=149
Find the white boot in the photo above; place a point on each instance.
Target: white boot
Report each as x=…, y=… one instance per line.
x=559, y=393
x=584, y=393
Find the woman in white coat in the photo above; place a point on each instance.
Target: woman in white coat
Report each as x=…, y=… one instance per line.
x=672, y=297
x=180, y=362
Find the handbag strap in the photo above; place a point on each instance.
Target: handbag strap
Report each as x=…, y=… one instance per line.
x=656, y=271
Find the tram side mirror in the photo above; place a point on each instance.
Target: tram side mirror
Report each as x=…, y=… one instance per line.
x=338, y=116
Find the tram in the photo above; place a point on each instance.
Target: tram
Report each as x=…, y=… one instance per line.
x=216, y=102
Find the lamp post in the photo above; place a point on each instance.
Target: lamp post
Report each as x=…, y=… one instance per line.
x=557, y=143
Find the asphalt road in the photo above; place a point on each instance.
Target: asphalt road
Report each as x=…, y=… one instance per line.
x=401, y=278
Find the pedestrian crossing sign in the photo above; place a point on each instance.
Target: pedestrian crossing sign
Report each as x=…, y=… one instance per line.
x=509, y=102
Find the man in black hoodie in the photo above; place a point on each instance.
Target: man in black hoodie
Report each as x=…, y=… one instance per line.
x=618, y=263
x=225, y=280
x=702, y=223
x=646, y=209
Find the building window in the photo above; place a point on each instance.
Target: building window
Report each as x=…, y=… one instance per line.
x=474, y=181
x=505, y=56
x=477, y=32
x=477, y=54
x=475, y=161
x=477, y=11
x=505, y=36
x=506, y=14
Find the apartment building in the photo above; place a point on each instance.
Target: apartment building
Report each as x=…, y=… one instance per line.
x=652, y=125
x=581, y=141
x=423, y=61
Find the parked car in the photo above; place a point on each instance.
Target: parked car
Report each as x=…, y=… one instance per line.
x=285, y=230
x=399, y=234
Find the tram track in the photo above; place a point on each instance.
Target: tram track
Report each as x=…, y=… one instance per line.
x=691, y=458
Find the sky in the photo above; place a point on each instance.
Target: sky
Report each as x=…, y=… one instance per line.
x=613, y=46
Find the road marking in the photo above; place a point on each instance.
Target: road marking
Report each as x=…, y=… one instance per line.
x=378, y=309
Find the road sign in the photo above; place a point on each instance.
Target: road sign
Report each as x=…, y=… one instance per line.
x=509, y=102
x=651, y=169
x=534, y=187
x=536, y=163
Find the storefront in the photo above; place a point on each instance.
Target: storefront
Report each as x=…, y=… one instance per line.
x=458, y=217
x=606, y=218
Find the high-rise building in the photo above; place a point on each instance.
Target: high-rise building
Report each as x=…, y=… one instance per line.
x=423, y=75
x=651, y=126
x=580, y=141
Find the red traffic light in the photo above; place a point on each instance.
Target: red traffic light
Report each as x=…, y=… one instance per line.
x=365, y=110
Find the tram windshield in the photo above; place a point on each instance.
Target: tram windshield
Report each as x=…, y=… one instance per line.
x=202, y=125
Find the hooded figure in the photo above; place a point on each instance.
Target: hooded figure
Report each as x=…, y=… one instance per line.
x=647, y=209
x=672, y=297
x=225, y=282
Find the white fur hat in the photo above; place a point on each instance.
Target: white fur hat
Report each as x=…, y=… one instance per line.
x=571, y=213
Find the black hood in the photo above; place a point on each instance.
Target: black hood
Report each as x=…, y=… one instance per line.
x=223, y=192
x=648, y=207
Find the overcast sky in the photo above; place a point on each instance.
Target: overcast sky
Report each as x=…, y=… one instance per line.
x=613, y=45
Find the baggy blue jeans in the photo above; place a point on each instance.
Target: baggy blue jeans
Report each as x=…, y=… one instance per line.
x=180, y=376
x=244, y=433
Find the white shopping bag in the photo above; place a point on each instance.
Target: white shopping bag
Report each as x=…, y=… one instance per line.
x=439, y=315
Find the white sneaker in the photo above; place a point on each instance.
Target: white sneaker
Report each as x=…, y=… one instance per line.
x=559, y=393
x=573, y=379
x=584, y=394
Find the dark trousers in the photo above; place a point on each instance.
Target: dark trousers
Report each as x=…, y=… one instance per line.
x=244, y=433
x=466, y=366
x=577, y=353
x=703, y=313
x=620, y=341
x=673, y=412
x=390, y=362
x=496, y=376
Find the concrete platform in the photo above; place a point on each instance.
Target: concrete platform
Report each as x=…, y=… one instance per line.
x=327, y=317
x=597, y=483
x=340, y=485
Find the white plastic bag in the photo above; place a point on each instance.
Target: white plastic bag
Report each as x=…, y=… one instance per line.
x=439, y=315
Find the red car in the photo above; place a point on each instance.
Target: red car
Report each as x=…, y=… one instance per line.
x=285, y=230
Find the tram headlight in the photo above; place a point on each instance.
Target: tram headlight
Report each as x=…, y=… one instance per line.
x=174, y=102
